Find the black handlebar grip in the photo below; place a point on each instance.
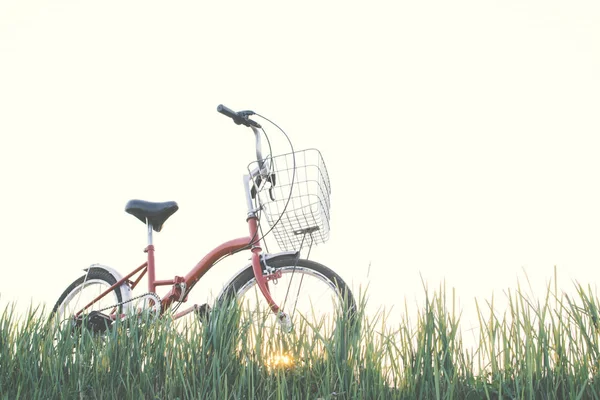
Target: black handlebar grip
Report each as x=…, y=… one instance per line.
x=230, y=113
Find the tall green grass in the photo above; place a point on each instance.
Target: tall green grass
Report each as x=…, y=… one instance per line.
x=535, y=349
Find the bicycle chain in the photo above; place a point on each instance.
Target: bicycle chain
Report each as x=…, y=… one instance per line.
x=130, y=300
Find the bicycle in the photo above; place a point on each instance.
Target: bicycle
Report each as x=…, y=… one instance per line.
x=292, y=190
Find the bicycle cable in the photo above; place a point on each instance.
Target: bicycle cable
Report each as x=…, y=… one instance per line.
x=258, y=206
x=293, y=174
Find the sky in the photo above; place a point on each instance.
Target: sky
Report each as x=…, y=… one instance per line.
x=461, y=138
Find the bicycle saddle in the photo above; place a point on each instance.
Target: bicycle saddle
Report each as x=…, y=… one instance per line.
x=155, y=213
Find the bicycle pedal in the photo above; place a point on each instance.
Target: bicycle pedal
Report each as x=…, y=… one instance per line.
x=203, y=311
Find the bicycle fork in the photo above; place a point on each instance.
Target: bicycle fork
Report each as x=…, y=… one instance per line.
x=262, y=280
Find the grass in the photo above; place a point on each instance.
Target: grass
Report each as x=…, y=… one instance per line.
x=535, y=349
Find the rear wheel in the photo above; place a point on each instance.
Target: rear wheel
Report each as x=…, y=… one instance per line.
x=83, y=291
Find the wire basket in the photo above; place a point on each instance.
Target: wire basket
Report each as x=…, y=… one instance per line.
x=296, y=205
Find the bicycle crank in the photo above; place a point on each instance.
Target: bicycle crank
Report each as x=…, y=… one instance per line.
x=95, y=321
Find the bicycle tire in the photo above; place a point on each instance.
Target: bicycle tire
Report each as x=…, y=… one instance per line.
x=245, y=283
x=95, y=276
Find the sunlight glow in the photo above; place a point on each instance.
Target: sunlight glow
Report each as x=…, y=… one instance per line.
x=280, y=361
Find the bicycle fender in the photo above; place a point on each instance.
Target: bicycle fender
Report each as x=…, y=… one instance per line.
x=125, y=290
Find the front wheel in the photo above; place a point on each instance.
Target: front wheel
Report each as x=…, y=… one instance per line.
x=309, y=294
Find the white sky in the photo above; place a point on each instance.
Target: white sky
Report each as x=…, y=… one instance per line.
x=461, y=137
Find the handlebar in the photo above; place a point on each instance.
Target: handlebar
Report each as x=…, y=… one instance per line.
x=241, y=118
x=263, y=173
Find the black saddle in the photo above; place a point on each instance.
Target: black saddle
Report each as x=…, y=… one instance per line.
x=154, y=213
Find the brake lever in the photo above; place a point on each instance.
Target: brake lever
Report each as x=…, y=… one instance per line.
x=272, y=179
x=245, y=114
x=256, y=185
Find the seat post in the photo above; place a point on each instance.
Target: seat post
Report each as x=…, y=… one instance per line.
x=149, y=225
x=150, y=251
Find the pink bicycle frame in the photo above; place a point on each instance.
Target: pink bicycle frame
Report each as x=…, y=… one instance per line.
x=179, y=284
